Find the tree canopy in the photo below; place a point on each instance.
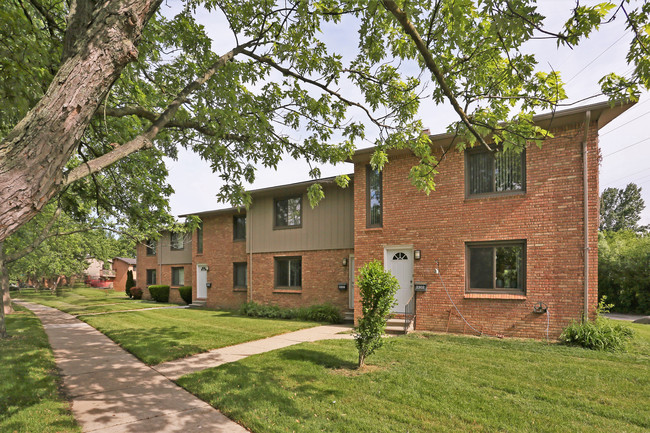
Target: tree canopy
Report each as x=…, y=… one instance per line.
x=620, y=209
x=95, y=93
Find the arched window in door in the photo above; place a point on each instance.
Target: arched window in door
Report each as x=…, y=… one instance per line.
x=400, y=256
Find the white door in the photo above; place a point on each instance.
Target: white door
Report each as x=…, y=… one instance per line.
x=400, y=263
x=351, y=282
x=201, y=281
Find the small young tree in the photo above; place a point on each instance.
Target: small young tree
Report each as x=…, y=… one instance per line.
x=377, y=288
x=130, y=282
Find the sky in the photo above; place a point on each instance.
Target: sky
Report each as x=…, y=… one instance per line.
x=624, y=143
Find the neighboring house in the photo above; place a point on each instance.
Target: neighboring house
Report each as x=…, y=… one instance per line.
x=167, y=260
x=121, y=266
x=507, y=244
x=96, y=276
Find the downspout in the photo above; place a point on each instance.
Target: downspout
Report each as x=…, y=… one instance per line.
x=249, y=223
x=585, y=180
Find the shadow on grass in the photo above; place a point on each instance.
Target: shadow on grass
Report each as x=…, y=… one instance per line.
x=155, y=345
x=29, y=396
x=317, y=357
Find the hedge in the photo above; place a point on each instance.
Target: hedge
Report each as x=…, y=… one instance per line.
x=159, y=293
x=315, y=313
x=186, y=293
x=136, y=292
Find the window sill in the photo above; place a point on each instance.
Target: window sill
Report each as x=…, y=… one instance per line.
x=509, y=296
x=287, y=227
x=239, y=240
x=289, y=291
x=240, y=289
x=493, y=195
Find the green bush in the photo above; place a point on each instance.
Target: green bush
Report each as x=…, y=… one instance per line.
x=377, y=288
x=599, y=334
x=130, y=282
x=315, y=313
x=159, y=293
x=136, y=292
x=186, y=293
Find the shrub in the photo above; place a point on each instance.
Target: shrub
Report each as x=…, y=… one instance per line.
x=136, y=292
x=186, y=294
x=316, y=313
x=377, y=288
x=130, y=282
x=159, y=293
x=599, y=334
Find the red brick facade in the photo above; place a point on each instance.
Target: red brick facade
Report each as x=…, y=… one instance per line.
x=549, y=216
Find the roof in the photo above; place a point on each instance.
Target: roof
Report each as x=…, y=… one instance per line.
x=128, y=260
x=601, y=112
x=296, y=185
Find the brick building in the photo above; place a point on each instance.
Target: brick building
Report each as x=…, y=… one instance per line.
x=121, y=266
x=506, y=245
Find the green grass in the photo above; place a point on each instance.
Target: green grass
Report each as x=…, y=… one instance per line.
x=85, y=300
x=435, y=383
x=157, y=336
x=29, y=396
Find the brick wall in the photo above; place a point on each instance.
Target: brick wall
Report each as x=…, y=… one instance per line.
x=549, y=216
x=219, y=253
x=144, y=262
x=322, y=270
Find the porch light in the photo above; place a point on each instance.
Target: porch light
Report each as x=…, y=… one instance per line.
x=417, y=254
x=345, y=261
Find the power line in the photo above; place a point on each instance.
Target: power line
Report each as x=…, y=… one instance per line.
x=625, y=177
x=620, y=126
x=627, y=147
x=597, y=57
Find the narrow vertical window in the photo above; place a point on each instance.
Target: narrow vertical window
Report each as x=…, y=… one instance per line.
x=151, y=247
x=199, y=238
x=239, y=227
x=239, y=272
x=151, y=277
x=374, y=197
x=178, y=276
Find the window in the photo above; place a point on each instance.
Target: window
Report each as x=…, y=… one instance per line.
x=496, y=267
x=151, y=247
x=239, y=227
x=288, y=212
x=178, y=276
x=177, y=241
x=151, y=277
x=199, y=238
x=239, y=275
x=373, y=197
x=288, y=272
x=494, y=172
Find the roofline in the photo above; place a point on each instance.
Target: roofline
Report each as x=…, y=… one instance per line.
x=326, y=180
x=597, y=109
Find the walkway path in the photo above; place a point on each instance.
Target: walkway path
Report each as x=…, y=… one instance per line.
x=112, y=391
x=175, y=369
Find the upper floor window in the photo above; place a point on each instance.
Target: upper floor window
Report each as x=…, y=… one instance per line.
x=151, y=247
x=495, y=172
x=496, y=267
x=199, y=238
x=177, y=241
x=288, y=212
x=373, y=197
x=239, y=227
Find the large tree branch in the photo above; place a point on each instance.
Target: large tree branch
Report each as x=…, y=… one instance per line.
x=36, y=242
x=430, y=62
x=144, y=141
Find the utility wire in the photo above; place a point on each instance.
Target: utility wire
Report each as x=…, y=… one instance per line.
x=629, y=121
x=597, y=57
x=626, y=147
x=625, y=177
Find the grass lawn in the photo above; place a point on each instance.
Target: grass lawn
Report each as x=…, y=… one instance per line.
x=435, y=383
x=85, y=300
x=157, y=336
x=29, y=397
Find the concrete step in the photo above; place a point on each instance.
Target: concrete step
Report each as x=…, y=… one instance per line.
x=395, y=326
x=197, y=304
x=348, y=316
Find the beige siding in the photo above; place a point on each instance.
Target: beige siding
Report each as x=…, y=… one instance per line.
x=174, y=257
x=330, y=225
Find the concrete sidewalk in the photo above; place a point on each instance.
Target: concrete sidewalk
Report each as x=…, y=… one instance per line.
x=112, y=391
x=175, y=369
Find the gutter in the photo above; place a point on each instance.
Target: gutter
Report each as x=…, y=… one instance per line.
x=585, y=174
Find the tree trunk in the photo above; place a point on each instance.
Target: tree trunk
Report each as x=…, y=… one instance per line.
x=34, y=154
x=5, y=279
x=362, y=360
